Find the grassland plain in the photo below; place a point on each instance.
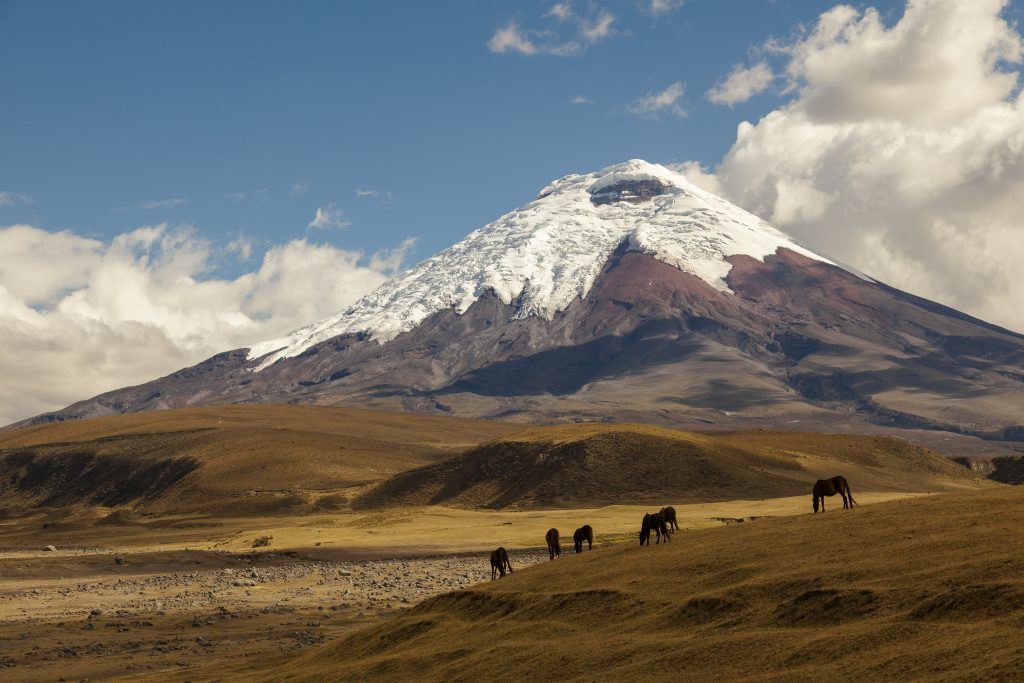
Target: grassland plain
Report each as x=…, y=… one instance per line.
x=154, y=574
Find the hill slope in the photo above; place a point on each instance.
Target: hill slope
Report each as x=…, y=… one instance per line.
x=225, y=459
x=928, y=589
x=601, y=464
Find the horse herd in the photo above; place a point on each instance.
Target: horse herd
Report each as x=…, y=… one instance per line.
x=663, y=524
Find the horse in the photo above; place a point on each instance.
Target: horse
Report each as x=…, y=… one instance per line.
x=669, y=514
x=554, y=547
x=656, y=523
x=584, y=533
x=830, y=487
x=499, y=561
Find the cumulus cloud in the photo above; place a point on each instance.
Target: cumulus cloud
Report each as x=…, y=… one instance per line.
x=587, y=30
x=328, y=218
x=654, y=103
x=13, y=198
x=900, y=151
x=741, y=84
x=97, y=315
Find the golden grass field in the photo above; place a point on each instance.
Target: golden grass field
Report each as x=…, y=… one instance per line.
x=348, y=499
x=925, y=589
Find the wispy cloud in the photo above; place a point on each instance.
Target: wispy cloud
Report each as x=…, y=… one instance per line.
x=301, y=187
x=162, y=203
x=237, y=196
x=598, y=27
x=12, y=198
x=560, y=10
x=586, y=30
x=328, y=218
x=242, y=246
x=663, y=7
x=741, y=84
x=580, y=99
x=654, y=103
x=380, y=195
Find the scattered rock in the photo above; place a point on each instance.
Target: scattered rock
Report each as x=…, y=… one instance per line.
x=50, y=548
x=261, y=542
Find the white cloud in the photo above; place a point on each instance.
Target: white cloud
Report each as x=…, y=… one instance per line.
x=237, y=196
x=242, y=246
x=380, y=195
x=163, y=203
x=597, y=28
x=663, y=7
x=13, y=198
x=901, y=151
x=328, y=218
x=96, y=315
x=301, y=187
x=510, y=38
x=666, y=100
x=587, y=30
x=741, y=84
x=561, y=11
x=580, y=99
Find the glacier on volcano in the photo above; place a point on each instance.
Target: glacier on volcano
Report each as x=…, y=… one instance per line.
x=550, y=251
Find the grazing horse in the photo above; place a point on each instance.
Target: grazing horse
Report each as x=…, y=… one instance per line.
x=554, y=547
x=830, y=487
x=669, y=514
x=584, y=533
x=499, y=561
x=654, y=523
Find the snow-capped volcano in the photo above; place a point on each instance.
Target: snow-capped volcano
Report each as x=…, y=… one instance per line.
x=548, y=253
x=629, y=294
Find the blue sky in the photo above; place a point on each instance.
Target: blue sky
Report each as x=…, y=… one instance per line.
x=113, y=106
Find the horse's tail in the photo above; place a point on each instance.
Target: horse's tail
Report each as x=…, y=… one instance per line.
x=849, y=493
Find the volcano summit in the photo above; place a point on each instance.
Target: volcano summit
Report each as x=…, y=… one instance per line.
x=628, y=294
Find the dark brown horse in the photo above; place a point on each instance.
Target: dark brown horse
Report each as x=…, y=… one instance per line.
x=655, y=523
x=669, y=514
x=554, y=547
x=584, y=533
x=830, y=487
x=499, y=561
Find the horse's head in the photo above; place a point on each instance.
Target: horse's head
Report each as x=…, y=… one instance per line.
x=642, y=537
x=815, y=503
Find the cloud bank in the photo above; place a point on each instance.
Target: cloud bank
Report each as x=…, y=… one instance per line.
x=900, y=151
x=79, y=316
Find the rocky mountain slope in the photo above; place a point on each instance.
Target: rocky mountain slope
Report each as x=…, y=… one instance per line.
x=629, y=294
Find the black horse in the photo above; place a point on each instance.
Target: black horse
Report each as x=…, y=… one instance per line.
x=584, y=533
x=830, y=487
x=499, y=561
x=669, y=514
x=554, y=547
x=655, y=523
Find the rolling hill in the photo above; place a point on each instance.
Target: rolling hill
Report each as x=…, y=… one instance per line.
x=605, y=464
x=246, y=459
